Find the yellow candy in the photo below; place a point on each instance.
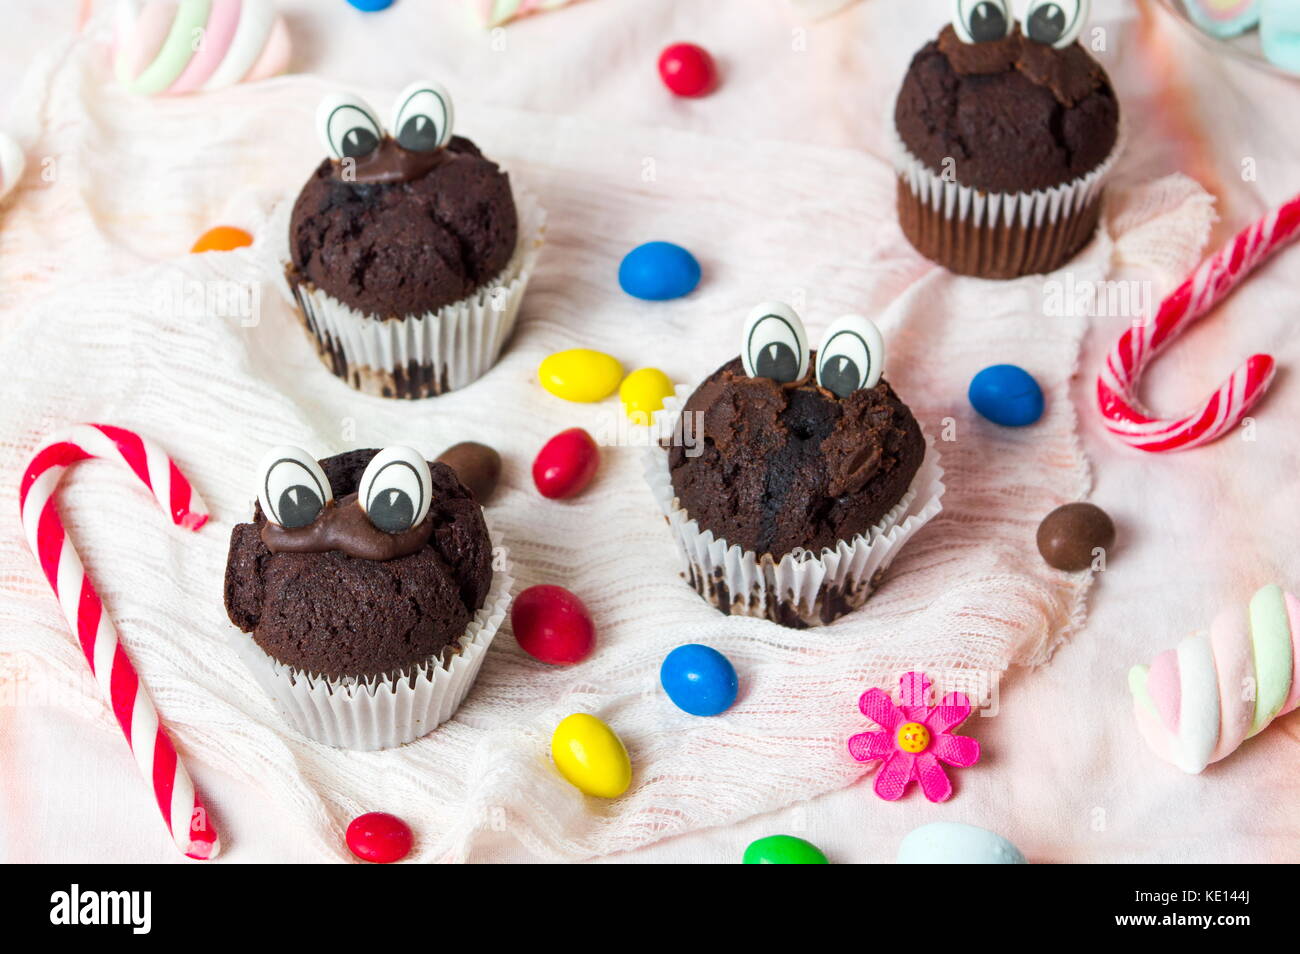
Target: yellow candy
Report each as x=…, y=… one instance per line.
x=591, y=756
x=642, y=393
x=580, y=374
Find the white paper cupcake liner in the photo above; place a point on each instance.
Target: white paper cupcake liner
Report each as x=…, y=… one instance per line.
x=800, y=589
x=991, y=209
x=419, y=356
x=390, y=710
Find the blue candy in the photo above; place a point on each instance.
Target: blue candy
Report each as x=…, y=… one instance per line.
x=1007, y=395
x=658, y=271
x=699, y=680
x=371, y=6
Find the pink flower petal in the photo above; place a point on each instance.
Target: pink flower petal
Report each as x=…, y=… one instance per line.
x=880, y=709
x=868, y=746
x=959, y=750
x=933, y=779
x=913, y=689
x=950, y=713
x=892, y=779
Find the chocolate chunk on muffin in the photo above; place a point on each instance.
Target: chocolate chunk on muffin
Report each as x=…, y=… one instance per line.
x=788, y=466
x=1004, y=135
x=312, y=602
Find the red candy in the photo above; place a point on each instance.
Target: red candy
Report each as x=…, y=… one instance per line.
x=687, y=69
x=379, y=837
x=566, y=464
x=552, y=625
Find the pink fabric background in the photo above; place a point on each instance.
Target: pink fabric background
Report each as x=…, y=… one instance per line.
x=1063, y=774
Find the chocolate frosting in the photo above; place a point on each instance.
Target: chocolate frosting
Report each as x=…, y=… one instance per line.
x=344, y=526
x=391, y=163
x=1009, y=115
x=788, y=466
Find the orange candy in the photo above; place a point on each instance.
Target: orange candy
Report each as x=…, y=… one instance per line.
x=223, y=238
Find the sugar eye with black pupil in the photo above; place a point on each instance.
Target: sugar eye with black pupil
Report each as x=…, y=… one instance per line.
x=1056, y=23
x=423, y=117
x=348, y=127
x=395, y=489
x=851, y=356
x=774, y=344
x=293, y=490
x=982, y=21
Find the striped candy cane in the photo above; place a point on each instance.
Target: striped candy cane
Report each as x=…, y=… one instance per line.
x=1207, y=286
x=154, y=754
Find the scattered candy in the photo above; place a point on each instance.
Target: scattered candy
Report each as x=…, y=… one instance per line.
x=565, y=464
x=1197, y=703
x=1007, y=395
x=1224, y=18
x=182, y=810
x=553, y=625
x=658, y=271
x=952, y=843
x=1070, y=536
x=379, y=837
x=591, y=756
x=1279, y=31
x=914, y=738
x=783, y=850
x=1207, y=286
x=371, y=6
x=155, y=52
x=580, y=374
x=687, y=69
x=699, y=680
x=223, y=238
x=477, y=466
x=642, y=393
x=12, y=164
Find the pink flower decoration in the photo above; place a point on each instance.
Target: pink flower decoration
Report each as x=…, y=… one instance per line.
x=916, y=737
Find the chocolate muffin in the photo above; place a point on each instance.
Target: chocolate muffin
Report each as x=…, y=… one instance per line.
x=792, y=476
x=388, y=245
x=1004, y=136
x=339, y=597
x=405, y=252
x=789, y=466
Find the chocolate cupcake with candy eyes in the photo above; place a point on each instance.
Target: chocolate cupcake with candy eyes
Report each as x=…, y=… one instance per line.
x=1005, y=134
x=408, y=253
x=367, y=584
x=791, y=477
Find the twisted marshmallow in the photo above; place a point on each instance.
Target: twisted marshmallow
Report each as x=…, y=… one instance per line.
x=1196, y=703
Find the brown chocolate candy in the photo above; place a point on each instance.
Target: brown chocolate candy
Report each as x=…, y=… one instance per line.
x=477, y=466
x=1069, y=535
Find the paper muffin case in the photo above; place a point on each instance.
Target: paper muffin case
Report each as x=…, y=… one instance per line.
x=797, y=590
x=388, y=710
x=996, y=234
x=420, y=356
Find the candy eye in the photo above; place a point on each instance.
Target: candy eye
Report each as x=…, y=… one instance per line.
x=851, y=356
x=1057, y=23
x=979, y=21
x=395, y=489
x=292, y=488
x=422, y=117
x=774, y=344
x=347, y=127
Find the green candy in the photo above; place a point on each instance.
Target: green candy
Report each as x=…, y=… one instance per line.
x=783, y=850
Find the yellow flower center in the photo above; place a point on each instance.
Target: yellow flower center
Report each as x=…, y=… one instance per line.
x=913, y=737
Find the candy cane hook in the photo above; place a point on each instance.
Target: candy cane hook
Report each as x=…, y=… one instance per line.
x=1207, y=286
x=181, y=808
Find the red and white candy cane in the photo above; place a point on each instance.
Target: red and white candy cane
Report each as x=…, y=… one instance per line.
x=1207, y=286
x=154, y=753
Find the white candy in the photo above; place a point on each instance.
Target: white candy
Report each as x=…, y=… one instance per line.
x=851, y=356
x=774, y=343
x=291, y=487
x=1057, y=23
x=396, y=489
x=425, y=100
x=348, y=127
x=979, y=21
